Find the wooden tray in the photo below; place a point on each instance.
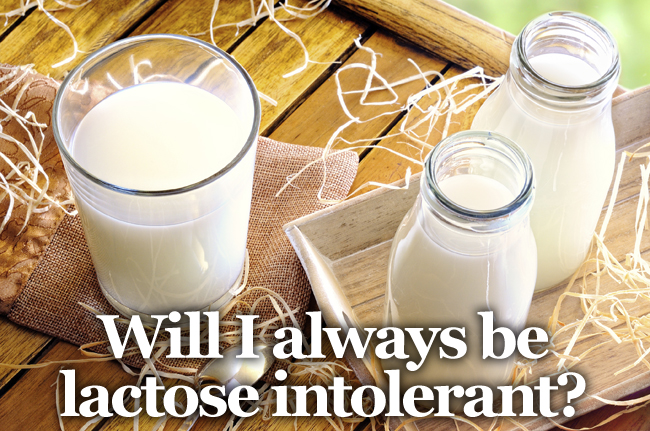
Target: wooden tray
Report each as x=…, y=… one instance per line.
x=344, y=250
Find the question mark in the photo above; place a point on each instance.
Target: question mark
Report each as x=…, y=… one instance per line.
x=573, y=393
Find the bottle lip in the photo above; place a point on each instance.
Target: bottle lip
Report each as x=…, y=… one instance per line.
x=495, y=220
x=543, y=88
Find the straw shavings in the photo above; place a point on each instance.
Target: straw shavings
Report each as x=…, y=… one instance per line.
x=419, y=120
x=25, y=6
x=26, y=182
x=633, y=275
x=266, y=9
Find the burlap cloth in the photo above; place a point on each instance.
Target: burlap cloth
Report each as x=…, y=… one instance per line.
x=46, y=271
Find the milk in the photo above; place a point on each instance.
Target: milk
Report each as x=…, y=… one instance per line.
x=178, y=252
x=564, y=69
x=572, y=151
x=441, y=276
x=158, y=136
x=476, y=192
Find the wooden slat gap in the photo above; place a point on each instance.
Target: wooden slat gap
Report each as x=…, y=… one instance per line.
x=103, y=421
x=247, y=32
x=363, y=426
x=316, y=83
x=400, y=116
x=129, y=31
x=244, y=35
x=621, y=201
x=15, y=24
x=34, y=360
x=368, y=301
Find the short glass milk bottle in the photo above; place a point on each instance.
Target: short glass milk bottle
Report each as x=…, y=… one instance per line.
x=466, y=246
x=555, y=102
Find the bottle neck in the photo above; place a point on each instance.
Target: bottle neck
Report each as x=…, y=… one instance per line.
x=461, y=239
x=564, y=40
x=553, y=114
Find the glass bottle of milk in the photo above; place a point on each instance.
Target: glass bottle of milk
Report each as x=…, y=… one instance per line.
x=555, y=102
x=465, y=246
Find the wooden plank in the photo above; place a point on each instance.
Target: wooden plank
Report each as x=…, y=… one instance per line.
x=18, y=345
x=269, y=53
x=190, y=18
x=316, y=120
x=207, y=424
x=441, y=29
x=360, y=282
x=632, y=117
x=637, y=421
x=7, y=23
x=30, y=404
x=39, y=41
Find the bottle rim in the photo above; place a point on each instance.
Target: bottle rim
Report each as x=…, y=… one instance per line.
x=541, y=87
x=494, y=220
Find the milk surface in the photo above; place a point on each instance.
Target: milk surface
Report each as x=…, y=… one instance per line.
x=160, y=136
x=573, y=158
x=441, y=276
x=476, y=192
x=564, y=69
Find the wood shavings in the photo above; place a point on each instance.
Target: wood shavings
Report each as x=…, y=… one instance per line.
x=267, y=9
x=416, y=130
x=26, y=182
x=38, y=4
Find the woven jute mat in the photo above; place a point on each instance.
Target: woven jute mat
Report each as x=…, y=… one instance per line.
x=46, y=271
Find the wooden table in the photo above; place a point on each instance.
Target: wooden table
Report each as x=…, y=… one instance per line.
x=307, y=113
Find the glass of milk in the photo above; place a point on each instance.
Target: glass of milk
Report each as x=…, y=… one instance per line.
x=556, y=102
x=158, y=135
x=465, y=246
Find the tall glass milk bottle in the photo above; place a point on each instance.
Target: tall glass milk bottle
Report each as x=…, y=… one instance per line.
x=465, y=246
x=555, y=101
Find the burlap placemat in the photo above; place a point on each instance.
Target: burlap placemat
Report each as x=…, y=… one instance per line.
x=46, y=271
